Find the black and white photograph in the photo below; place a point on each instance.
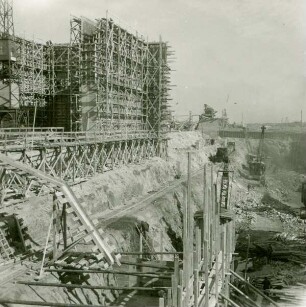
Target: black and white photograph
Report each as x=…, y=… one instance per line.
x=153, y=153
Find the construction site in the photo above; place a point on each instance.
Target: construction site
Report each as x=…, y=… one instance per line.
x=108, y=200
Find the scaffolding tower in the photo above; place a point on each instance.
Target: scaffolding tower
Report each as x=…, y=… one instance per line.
x=105, y=79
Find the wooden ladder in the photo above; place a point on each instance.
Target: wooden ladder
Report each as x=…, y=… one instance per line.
x=27, y=178
x=80, y=228
x=5, y=250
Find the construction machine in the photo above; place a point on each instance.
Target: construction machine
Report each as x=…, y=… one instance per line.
x=220, y=156
x=256, y=162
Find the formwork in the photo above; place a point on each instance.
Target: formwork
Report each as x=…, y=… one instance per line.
x=104, y=78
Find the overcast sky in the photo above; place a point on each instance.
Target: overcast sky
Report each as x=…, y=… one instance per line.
x=247, y=56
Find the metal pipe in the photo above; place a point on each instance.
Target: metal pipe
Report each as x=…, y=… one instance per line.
x=50, y=284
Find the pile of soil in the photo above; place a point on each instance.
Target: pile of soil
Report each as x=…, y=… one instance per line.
x=268, y=218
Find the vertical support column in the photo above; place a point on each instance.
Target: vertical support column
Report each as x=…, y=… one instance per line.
x=64, y=219
x=196, y=267
x=113, y=153
x=169, y=298
x=60, y=162
x=185, y=239
x=161, y=244
x=43, y=159
x=132, y=279
x=140, y=244
x=210, y=232
x=212, y=207
x=207, y=237
x=54, y=229
x=217, y=243
x=196, y=287
x=190, y=216
x=188, y=244
x=227, y=262
x=139, y=260
x=175, y=281
x=204, y=211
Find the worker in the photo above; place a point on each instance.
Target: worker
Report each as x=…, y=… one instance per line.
x=266, y=286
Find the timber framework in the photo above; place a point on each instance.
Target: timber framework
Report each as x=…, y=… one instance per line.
x=73, y=109
x=105, y=78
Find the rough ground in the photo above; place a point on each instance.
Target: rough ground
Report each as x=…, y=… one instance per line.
x=267, y=213
x=111, y=193
x=270, y=215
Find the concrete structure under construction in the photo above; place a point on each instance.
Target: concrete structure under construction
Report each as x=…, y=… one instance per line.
x=105, y=79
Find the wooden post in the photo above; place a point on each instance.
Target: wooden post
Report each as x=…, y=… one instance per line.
x=185, y=239
x=54, y=229
x=179, y=294
x=227, y=261
x=223, y=253
x=43, y=159
x=131, y=279
x=140, y=280
x=140, y=244
x=64, y=218
x=198, y=248
x=174, y=290
x=204, y=211
x=46, y=245
x=169, y=298
x=189, y=243
x=206, y=264
x=161, y=244
x=161, y=302
x=217, y=244
x=196, y=287
x=247, y=258
x=210, y=233
x=175, y=281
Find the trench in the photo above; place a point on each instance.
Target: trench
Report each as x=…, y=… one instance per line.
x=274, y=205
x=107, y=193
